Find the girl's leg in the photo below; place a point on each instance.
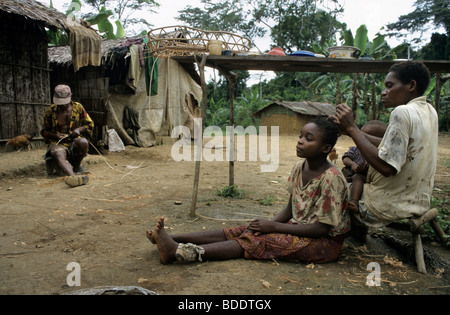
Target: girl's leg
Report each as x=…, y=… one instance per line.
x=167, y=246
x=198, y=238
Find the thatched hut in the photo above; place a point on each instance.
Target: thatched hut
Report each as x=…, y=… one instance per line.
x=107, y=91
x=25, y=90
x=290, y=117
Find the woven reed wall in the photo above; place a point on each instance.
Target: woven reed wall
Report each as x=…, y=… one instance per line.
x=24, y=76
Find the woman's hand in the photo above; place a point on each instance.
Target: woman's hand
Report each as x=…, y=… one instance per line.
x=345, y=118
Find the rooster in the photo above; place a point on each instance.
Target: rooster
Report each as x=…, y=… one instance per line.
x=333, y=156
x=21, y=141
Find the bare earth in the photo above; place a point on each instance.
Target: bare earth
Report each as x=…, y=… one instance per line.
x=45, y=225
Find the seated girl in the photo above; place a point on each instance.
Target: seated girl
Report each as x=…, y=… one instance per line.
x=311, y=229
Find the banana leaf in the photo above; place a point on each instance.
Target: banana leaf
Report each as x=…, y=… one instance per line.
x=348, y=38
x=102, y=16
x=120, y=33
x=361, y=38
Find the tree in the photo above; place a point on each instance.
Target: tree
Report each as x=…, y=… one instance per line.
x=427, y=13
x=227, y=15
x=126, y=11
x=296, y=25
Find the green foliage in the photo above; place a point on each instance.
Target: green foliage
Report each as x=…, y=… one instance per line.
x=104, y=25
x=245, y=105
x=443, y=219
x=101, y=19
x=425, y=14
x=231, y=192
x=267, y=201
x=125, y=12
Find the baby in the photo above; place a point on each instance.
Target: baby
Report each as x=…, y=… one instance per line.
x=356, y=167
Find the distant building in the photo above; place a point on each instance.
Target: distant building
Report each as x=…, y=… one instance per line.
x=290, y=117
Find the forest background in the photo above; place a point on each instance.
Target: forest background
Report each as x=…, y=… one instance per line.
x=292, y=25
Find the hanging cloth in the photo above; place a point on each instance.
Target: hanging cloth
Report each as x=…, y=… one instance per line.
x=151, y=72
x=131, y=124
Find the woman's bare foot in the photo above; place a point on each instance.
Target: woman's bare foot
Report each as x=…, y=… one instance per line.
x=166, y=245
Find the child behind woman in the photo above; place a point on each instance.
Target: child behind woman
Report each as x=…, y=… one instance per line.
x=356, y=167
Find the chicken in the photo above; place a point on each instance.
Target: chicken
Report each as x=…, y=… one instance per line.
x=21, y=141
x=333, y=156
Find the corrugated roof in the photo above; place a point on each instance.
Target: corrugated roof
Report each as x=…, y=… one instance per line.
x=304, y=107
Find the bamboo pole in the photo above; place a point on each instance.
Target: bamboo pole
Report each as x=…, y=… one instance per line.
x=201, y=66
x=232, y=79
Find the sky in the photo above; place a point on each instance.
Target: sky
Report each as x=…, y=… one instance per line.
x=373, y=13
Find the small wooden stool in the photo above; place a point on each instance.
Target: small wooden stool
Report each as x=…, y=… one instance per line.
x=416, y=229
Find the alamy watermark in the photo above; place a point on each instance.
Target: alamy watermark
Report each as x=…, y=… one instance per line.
x=258, y=146
x=374, y=277
x=74, y=277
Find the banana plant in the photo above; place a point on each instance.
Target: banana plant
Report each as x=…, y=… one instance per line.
x=101, y=19
x=359, y=41
x=105, y=26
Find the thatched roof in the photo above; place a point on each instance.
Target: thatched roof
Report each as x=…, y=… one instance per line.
x=60, y=55
x=31, y=9
x=304, y=108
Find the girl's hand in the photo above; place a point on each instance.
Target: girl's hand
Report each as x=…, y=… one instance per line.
x=262, y=226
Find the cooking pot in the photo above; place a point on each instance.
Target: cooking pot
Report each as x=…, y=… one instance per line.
x=344, y=52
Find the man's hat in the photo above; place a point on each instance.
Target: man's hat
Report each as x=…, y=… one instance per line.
x=63, y=95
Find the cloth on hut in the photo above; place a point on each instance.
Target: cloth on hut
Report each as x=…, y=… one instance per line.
x=151, y=72
x=134, y=71
x=131, y=124
x=85, y=45
x=176, y=104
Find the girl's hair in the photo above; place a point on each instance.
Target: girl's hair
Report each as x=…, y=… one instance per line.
x=329, y=128
x=412, y=70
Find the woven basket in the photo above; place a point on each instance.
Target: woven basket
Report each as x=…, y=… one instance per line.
x=215, y=47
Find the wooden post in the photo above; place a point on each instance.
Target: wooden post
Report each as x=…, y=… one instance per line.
x=418, y=252
x=201, y=66
x=232, y=78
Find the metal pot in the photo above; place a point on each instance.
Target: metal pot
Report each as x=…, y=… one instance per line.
x=344, y=52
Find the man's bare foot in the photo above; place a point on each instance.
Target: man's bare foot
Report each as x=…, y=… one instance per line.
x=166, y=245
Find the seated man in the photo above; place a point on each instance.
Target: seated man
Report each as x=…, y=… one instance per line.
x=402, y=167
x=64, y=123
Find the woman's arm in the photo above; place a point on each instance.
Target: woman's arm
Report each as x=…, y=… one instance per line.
x=366, y=147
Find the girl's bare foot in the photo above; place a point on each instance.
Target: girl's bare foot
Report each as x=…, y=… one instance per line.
x=150, y=236
x=166, y=245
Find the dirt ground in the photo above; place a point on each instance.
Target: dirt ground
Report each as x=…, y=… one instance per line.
x=45, y=225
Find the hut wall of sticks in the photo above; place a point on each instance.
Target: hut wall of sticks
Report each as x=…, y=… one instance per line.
x=24, y=73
